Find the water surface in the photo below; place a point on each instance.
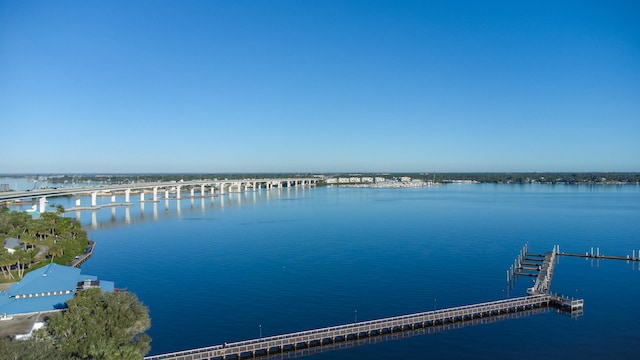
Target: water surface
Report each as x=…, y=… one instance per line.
x=225, y=269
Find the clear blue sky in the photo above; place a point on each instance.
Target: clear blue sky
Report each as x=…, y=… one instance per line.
x=319, y=86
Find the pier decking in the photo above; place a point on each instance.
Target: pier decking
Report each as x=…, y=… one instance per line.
x=545, y=273
x=399, y=335
x=363, y=329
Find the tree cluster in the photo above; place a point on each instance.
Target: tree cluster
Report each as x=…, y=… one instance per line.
x=51, y=237
x=96, y=325
x=574, y=178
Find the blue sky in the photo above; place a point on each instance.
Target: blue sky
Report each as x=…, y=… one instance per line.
x=319, y=86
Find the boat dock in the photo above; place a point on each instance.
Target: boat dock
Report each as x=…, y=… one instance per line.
x=308, y=341
x=595, y=254
x=366, y=329
x=545, y=273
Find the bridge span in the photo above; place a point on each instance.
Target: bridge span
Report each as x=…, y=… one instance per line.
x=203, y=187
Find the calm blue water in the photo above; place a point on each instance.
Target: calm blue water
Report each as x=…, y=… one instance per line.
x=290, y=260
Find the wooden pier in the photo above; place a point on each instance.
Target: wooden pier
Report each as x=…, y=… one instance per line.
x=305, y=342
x=606, y=257
x=545, y=273
x=400, y=335
x=365, y=329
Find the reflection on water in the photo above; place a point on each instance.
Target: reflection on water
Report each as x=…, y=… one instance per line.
x=216, y=271
x=114, y=212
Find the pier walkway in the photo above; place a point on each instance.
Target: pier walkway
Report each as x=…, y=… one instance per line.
x=606, y=257
x=400, y=335
x=545, y=274
x=363, y=329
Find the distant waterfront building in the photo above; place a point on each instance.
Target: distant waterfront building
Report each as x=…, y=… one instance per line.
x=343, y=180
x=47, y=289
x=331, y=181
x=367, y=179
x=380, y=179
x=354, y=179
x=4, y=187
x=405, y=179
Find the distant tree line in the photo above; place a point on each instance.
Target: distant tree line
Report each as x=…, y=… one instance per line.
x=513, y=178
x=482, y=177
x=544, y=178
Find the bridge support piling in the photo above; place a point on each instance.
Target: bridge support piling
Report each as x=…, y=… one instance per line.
x=43, y=204
x=94, y=196
x=127, y=195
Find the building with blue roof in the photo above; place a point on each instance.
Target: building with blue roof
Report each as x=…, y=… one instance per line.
x=47, y=289
x=11, y=243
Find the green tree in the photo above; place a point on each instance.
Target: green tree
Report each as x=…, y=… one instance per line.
x=99, y=325
x=55, y=249
x=33, y=349
x=59, y=209
x=6, y=260
x=20, y=256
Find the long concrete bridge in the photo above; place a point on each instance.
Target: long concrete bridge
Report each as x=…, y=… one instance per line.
x=203, y=187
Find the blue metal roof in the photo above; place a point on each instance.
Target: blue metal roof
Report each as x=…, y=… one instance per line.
x=14, y=306
x=45, y=289
x=52, y=277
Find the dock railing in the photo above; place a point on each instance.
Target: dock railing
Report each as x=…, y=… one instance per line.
x=308, y=338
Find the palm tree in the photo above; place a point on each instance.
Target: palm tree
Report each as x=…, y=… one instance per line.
x=6, y=260
x=56, y=250
x=59, y=209
x=21, y=257
x=31, y=256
